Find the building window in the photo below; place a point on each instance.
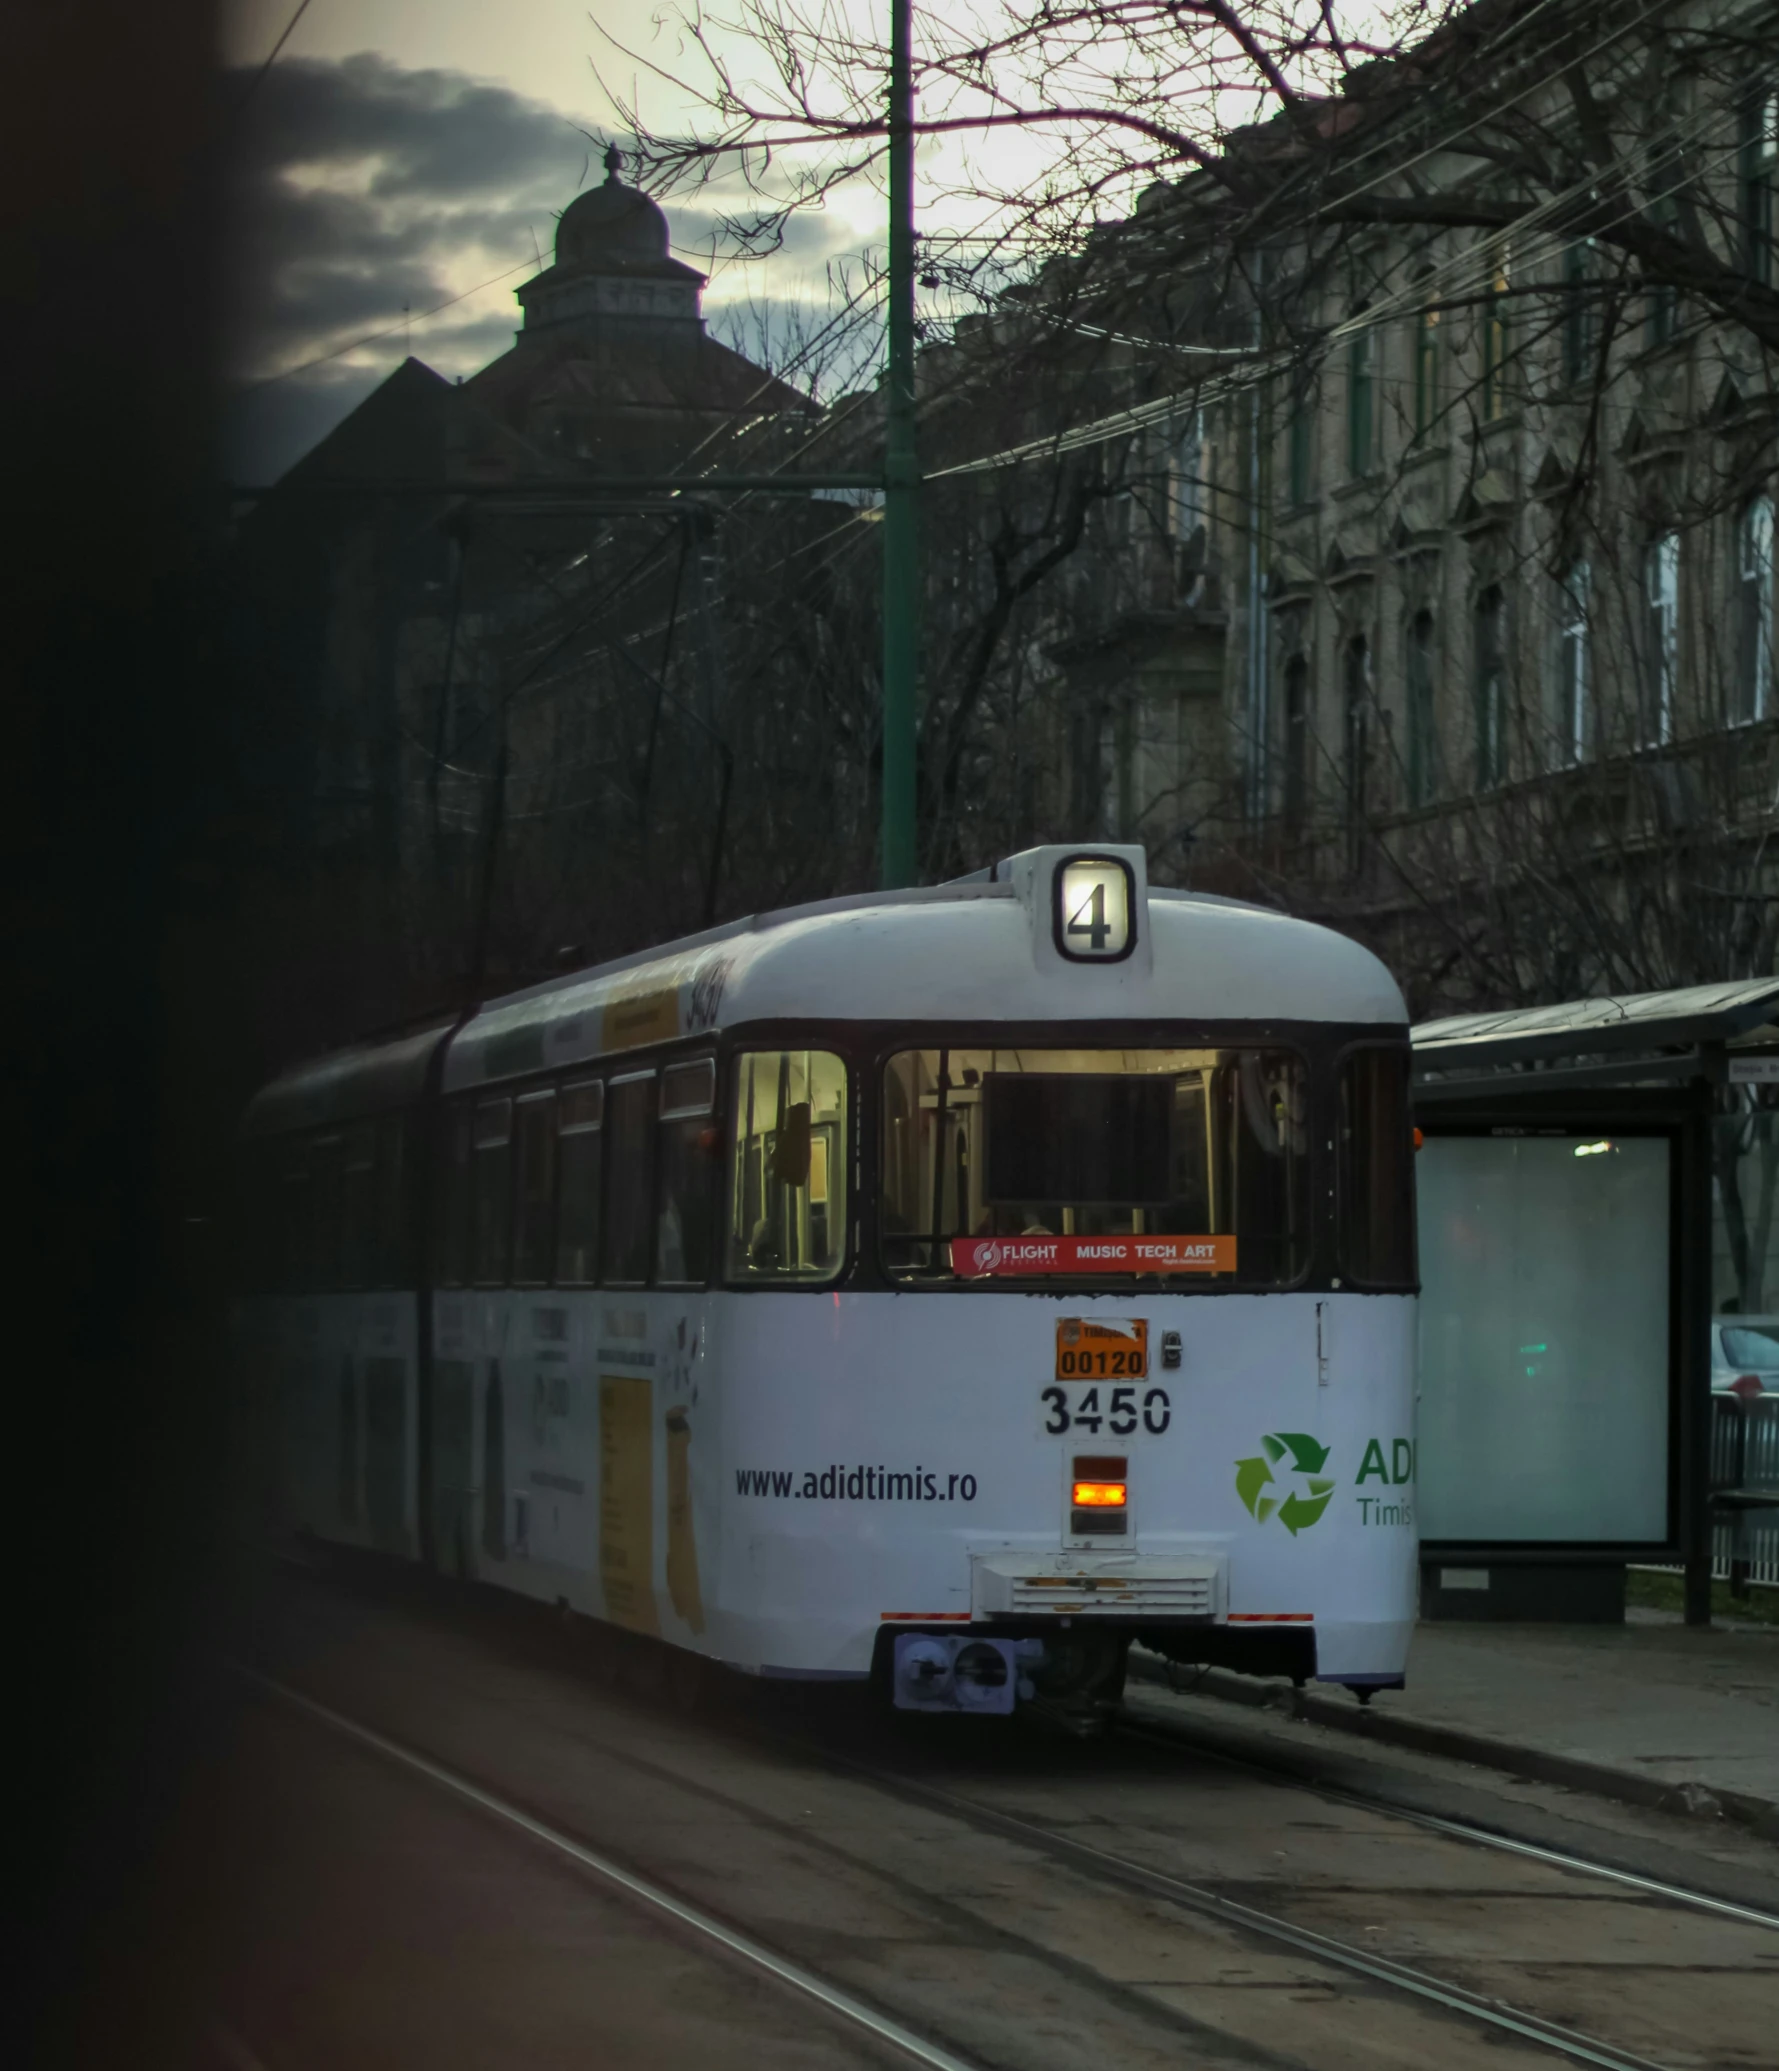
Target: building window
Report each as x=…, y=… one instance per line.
x=1759, y=176
x=1299, y=443
x=1361, y=384
x=1661, y=298
x=1356, y=743
x=1754, y=612
x=1495, y=344
x=1491, y=687
x=1661, y=660
x=1297, y=743
x=1186, y=478
x=1418, y=686
x=1571, y=727
x=1426, y=350
x=1579, y=337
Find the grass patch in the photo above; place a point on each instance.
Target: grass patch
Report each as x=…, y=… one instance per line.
x=1664, y=1592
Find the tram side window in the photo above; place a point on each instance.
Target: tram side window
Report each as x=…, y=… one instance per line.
x=296, y=1219
x=260, y=1192
x=491, y=1192
x=787, y=1167
x=451, y=1229
x=581, y=1135
x=535, y=1138
x=688, y=1174
x=325, y=1175
x=394, y=1267
x=358, y=1180
x=1377, y=1204
x=630, y=1180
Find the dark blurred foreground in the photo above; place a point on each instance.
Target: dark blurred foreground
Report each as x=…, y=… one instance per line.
x=125, y=931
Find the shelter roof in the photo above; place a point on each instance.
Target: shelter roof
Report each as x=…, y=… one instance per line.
x=1588, y=1028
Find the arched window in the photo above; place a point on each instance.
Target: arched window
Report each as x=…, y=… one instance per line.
x=1355, y=743
x=1297, y=743
x=1361, y=382
x=1571, y=704
x=1188, y=503
x=1300, y=436
x=1490, y=685
x=1426, y=350
x=1754, y=611
x=1418, y=688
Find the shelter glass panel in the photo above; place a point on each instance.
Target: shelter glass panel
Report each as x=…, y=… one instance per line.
x=1544, y=1338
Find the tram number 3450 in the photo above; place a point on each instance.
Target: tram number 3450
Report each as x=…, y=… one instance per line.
x=1118, y=1411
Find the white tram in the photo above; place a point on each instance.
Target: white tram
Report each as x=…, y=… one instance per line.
x=949, y=1284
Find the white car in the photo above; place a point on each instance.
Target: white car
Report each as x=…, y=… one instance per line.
x=1745, y=1356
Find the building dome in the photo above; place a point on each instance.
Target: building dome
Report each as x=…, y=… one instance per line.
x=611, y=224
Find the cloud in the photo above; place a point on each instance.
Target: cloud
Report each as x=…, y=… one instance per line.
x=365, y=194
x=361, y=187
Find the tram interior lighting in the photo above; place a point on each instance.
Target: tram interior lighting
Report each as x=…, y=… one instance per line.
x=1592, y=1150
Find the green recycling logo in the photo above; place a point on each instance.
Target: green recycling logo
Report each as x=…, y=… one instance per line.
x=1300, y=1504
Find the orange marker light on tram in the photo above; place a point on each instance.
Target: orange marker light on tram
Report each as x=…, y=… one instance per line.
x=1100, y=1495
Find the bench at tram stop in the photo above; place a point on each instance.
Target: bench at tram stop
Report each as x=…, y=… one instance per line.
x=1744, y=1471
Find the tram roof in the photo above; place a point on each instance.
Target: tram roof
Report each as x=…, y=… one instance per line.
x=976, y=950
x=345, y=1084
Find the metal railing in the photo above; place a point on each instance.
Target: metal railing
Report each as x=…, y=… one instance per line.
x=1745, y=1488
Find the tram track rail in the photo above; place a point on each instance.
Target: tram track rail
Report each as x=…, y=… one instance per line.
x=1494, y=2014
x=1101, y=1865
x=640, y=1890
x=1156, y=1732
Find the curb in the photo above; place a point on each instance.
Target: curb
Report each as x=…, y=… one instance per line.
x=1532, y=1764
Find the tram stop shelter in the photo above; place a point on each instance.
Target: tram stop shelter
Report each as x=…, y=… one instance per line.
x=1591, y=1179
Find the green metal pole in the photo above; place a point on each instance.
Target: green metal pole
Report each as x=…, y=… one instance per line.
x=901, y=476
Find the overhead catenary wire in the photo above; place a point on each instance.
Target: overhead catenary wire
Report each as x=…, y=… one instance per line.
x=271, y=58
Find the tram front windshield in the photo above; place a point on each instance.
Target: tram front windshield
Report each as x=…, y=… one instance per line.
x=1191, y=1164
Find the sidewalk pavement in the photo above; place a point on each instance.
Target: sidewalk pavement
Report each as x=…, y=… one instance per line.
x=1652, y=1711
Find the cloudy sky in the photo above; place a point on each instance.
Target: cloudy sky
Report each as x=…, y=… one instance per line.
x=401, y=155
